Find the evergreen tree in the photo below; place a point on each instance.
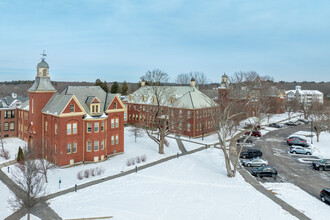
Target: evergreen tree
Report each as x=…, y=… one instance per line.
x=20, y=155
x=104, y=86
x=124, y=88
x=114, y=87
x=98, y=82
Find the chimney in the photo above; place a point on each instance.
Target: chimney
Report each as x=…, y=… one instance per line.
x=143, y=83
x=192, y=82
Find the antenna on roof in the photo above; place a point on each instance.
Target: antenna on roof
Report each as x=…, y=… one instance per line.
x=43, y=55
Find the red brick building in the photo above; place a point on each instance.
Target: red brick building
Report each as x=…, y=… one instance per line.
x=188, y=110
x=9, y=115
x=81, y=123
x=258, y=94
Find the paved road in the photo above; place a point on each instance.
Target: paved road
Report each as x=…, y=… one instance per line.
x=275, y=150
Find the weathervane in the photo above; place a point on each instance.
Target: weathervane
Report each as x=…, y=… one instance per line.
x=43, y=55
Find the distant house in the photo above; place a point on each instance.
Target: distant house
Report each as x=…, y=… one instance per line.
x=304, y=96
x=80, y=124
x=8, y=114
x=188, y=110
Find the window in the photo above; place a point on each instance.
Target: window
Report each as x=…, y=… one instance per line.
x=180, y=125
x=113, y=123
x=89, y=127
x=188, y=114
x=89, y=146
x=32, y=105
x=96, y=145
x=180, y=112
x=55, y=148
x=102, y=126
x=96, y=127
x=74, y=128
x=9, y=114
x=68, y=128
x=112, y=140
x=46, y=125
x=97, y=108
x=115, y=105
x=93, y=108
x=12, y=126
x=68, y=148
x=117, y=122
x=6, y=126
x=188, y=127
x=55, y=128
x=102, y=145
x=117, y=139
x=74, y=147
x=71, y=108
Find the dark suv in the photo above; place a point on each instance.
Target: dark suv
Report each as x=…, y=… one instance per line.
x=325, y=195
x=264, y=171
x=322, y=164
x=251, y=153
x=253, y=133
x=248, y=141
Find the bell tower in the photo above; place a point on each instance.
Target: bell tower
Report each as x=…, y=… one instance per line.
x=39, y=94
x=223, y=89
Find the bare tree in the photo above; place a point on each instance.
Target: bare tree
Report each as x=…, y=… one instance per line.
x=292, y=106
x=3, y=152
x=28, y=178
x=185, y=78
x=319, y=117
x=158, y=114
x=136, y=131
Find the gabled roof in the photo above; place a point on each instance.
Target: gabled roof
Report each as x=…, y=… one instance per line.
x=8, y=101
x=187, y=97
x=84, y=95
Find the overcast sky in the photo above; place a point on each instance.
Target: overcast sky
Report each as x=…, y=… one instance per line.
x=121, y=40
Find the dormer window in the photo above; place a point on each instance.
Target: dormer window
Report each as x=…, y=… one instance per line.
x=143, y=98
x=153, y=99
x=71, y=108
x=115, y=105
x=95, y=108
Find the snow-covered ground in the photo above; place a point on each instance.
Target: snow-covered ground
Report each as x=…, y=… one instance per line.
x=299, y=199
x=12, y=145
x=114, y=165
x=4, y=207
x=321, y=148
x=191, y=187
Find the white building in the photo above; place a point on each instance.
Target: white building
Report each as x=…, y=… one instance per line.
x=304, y=96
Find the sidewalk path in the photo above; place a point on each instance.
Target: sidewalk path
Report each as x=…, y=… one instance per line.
x=180, y=144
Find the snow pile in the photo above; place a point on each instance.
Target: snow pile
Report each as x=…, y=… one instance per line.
x=191, y=187
x=12, y=145
x=299, y=199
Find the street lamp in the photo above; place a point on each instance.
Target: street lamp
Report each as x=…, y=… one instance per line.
x=311, y=132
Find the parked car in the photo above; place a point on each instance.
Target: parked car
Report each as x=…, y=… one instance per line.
x=290, y=123
x=301, y=144
x=251, y=153
x=296, y=142
x=300, y=150
x=253, y=133
x=255, y=162
x=299, y=122
x=264, y=171
x=305, y=121
x=297, y=137
x=248, y=141
x=322, y=164
x=275, y=125
x=325, y=195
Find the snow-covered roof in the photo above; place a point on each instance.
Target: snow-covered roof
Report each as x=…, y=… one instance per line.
x=305, y=92
x=187, y=97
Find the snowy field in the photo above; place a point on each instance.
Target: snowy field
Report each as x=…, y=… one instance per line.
x=320, y=149
x=298, y=198
x=143, y=146
x=4, y=207
x=191, y=187
x=12, y=144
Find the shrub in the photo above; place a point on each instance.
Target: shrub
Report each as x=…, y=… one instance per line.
x=92, y=171
x=144, y=158
x=99, y=170
x=80, y=175
x=132, y=161
x=20, y=155
x=128, y=162
x=138, y=159
x=86, y=173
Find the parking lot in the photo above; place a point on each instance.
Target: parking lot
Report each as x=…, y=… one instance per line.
x=290, y=167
